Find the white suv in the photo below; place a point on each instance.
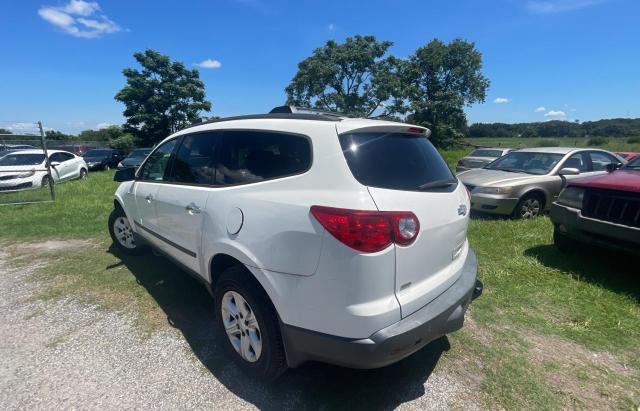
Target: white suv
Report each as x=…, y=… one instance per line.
x=321, y=237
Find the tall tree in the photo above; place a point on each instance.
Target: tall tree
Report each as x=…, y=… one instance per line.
x=57, y=135
x=161, y=98
x=439, y=80
x=354, y=77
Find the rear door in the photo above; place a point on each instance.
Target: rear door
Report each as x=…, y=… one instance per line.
x=181, y=202
x=393, y=166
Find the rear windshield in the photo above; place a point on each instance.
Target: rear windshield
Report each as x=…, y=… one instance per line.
x=485, y=153
x=394, y=160
x=97, y=153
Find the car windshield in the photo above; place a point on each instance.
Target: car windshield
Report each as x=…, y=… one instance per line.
x=22, y=160
x=483, y=152
x=526, y=162
x=634, y=164
x=139, y=153
x=97, y=153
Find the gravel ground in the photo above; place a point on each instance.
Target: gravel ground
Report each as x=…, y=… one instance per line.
x=63, y=354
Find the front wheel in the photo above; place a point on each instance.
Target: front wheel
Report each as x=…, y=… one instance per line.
x=248, y=320
x=564, y=243
x=83, y=174
x=106, y=167
x=529, y=206
x=122, y=234
x=46, y=181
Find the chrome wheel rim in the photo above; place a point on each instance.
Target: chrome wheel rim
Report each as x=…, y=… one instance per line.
x=123, y=232
x=241, y=326
x=530, y=208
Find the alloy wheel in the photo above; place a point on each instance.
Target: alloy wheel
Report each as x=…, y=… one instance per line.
x=123, y=232
x=241, y=326
x=530, y=208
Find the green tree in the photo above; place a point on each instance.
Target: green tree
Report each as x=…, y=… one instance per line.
x=354, y=77
x=125, y=142
x=57, y=135
x=439, y=81
x=161, y=98
x=5, y=131
x=102, y=135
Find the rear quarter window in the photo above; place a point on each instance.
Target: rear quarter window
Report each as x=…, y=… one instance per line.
x=395, y=161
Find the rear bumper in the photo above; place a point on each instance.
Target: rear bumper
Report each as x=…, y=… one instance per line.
x=570, y=222
x=493, y=204
x=441, y=316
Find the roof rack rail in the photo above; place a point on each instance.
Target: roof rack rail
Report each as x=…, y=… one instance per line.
x=305, y=110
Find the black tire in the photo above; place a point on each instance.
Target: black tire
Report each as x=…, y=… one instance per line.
x=116, y=214
x=271, y=363
x=83, y=174
x=565, y=244
x=46, y=180
x=106, y=167
x=530, y=206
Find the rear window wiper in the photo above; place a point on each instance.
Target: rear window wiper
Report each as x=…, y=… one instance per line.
x=437, y=184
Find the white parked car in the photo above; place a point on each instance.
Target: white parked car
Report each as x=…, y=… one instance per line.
x=20, y=170
x=321, y=237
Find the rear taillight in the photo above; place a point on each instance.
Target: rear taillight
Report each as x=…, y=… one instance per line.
x=368, y=231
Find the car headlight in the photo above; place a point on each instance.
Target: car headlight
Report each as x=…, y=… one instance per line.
x=120, y=165
x=26, y=174
x=493, y=190
x=571, y=197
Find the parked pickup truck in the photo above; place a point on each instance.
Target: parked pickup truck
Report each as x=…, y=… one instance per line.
x=602, y=210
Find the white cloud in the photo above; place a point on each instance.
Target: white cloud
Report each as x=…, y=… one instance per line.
x=102, y=125
x=209, y=64
x=72, y=19
x=558, y=6
x=555, y=114
x=540, y=109
x=502, y=100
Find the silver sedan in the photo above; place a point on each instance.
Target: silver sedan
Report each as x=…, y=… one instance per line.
x=526, y=182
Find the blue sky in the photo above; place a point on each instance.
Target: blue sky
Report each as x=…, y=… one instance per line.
x=62, y=60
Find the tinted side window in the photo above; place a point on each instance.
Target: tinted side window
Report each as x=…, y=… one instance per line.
x=252, y=156
x=66, y=156
x=579, y=161
x=194, y=161
x=393, y=160
x=157, y=165
x=601, y=160
x=56, y=158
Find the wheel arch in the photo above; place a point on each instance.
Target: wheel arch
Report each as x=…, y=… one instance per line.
x=221, y=261
x=537, y=191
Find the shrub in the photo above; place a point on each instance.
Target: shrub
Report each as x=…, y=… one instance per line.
x=634, y=140
x=597, y=141
x=547, y=143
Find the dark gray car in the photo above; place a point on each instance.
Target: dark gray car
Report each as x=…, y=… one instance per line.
x=526, y=182
x=135, y=158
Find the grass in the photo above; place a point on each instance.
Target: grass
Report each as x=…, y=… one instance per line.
x=550, y=331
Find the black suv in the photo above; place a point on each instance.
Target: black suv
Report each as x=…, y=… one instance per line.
x=102, y=158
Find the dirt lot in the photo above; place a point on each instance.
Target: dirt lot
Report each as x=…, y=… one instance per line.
x=62, y=353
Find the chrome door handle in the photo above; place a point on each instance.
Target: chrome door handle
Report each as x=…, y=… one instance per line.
x=192, y=209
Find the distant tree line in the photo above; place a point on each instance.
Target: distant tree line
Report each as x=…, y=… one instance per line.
x=615, y=127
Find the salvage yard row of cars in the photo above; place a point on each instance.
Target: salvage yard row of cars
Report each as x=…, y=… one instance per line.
x=268, y=210
x=24, y=167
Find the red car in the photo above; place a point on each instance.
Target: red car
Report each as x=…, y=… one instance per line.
x=602, y=210
x=627, y=155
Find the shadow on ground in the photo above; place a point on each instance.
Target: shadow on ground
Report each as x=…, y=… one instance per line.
x=190, y=309
x=616, y=271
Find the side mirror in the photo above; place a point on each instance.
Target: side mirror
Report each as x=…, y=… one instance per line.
x=568, y=171
x=126, y=174
x=613, y=166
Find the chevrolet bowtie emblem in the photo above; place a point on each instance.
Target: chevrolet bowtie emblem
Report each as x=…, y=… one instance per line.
x=462, y=210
